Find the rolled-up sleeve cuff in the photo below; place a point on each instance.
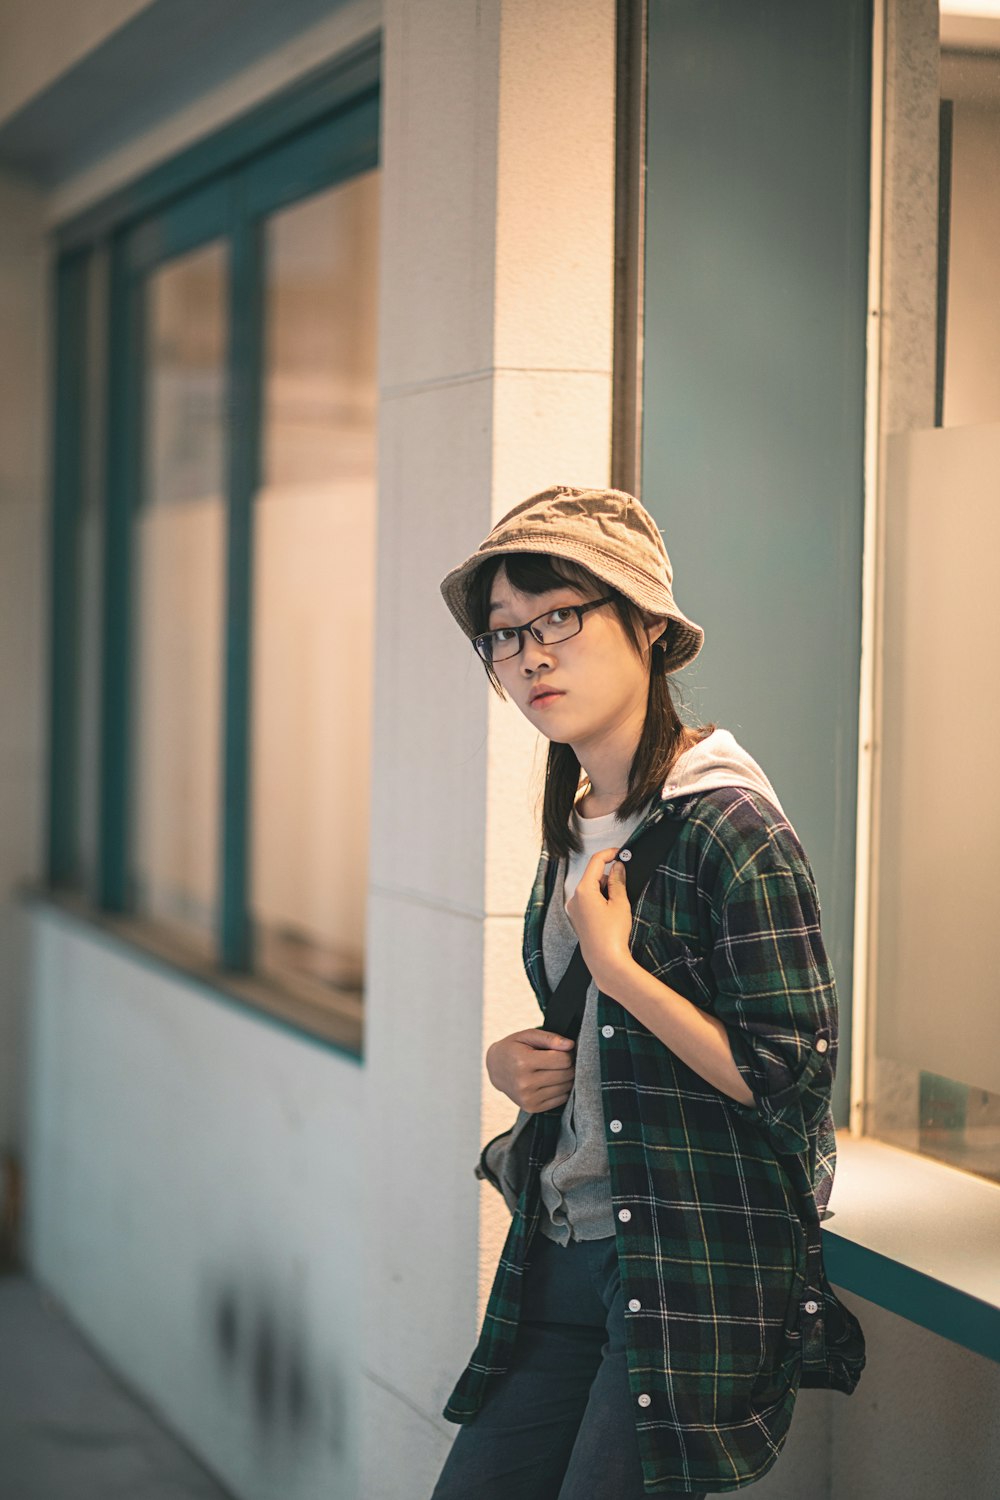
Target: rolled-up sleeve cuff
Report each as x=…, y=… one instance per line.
x=785, y=1112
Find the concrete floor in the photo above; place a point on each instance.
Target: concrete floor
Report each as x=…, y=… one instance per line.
x=68, y=1429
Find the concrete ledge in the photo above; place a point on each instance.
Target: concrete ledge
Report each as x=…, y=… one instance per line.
x=918, y=1238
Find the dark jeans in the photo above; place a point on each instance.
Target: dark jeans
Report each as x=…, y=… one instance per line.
x=559, y=1424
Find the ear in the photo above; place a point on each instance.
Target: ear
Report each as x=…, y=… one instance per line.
x=656, y=630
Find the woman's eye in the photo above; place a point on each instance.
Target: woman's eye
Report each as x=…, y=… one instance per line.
x=502, y=635
x=556, y=612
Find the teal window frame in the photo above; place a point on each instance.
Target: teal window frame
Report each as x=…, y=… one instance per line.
x=322, y=131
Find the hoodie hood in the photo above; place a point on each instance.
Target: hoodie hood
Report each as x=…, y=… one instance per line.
x=718, y=760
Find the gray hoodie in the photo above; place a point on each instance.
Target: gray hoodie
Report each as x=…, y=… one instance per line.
x=575, y=1184
x=718, y=760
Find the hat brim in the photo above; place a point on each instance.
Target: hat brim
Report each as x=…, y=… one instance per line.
x=685, y=637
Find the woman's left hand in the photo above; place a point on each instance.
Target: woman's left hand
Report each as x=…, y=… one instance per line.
x=602, y=922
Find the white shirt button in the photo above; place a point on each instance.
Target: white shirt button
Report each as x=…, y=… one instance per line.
x=812, y=1306
x=625, y=855
x=607, y=1031
x=616, y=1124
x=634, y=1304
x=624, y=1214
x=822, y=1044
x=644, y=1400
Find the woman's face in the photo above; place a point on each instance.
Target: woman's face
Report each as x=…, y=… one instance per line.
x=600, y=678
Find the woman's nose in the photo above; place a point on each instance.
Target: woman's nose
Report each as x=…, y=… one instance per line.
x=533, y=650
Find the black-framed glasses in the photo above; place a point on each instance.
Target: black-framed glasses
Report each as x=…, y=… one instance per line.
x=554, y=625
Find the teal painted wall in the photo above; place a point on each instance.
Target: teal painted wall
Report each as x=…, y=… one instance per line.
x=753, y=393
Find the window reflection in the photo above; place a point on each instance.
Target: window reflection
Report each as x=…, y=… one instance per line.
x=178, y=540
x=934, y=1063
x=969, y=240
x=313, y=592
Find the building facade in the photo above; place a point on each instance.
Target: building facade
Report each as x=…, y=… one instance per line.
x=297, y=303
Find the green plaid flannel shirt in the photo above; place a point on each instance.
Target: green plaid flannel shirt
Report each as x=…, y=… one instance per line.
x=717, y=1203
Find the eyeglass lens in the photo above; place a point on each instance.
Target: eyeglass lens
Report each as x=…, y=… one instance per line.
x=557, y=626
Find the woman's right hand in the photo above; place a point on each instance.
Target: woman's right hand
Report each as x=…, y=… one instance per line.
x=535, y=1068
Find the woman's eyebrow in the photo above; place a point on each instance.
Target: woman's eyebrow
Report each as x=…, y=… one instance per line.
x=496, y=604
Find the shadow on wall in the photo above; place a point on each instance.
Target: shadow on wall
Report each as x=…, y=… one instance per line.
x=262, y=1348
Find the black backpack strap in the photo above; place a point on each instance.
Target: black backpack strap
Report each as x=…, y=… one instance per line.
x=565, y=1009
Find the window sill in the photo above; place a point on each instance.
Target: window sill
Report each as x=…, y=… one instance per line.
x=302, y=1006
x=917, y=1237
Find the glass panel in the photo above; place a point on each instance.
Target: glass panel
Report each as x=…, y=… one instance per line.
x=969, y=288
x=754, y=279
x=933, y=1075
x=313, y=592
x=178, y=581
x=936, y=1072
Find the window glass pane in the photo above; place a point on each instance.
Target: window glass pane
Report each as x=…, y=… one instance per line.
x=178, y=591
x=934, y=1042
x=969, y=285
x=937, y=1036
x=313, y=592
x=77, y=541
x=754, y=279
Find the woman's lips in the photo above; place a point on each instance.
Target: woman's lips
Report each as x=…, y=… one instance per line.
x=544, y=698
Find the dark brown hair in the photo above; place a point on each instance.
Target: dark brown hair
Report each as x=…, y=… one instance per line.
x=664, y=735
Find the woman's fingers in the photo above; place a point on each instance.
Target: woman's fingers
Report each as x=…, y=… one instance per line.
x=546, y=1098
x=552, y=1072
x=547, y=1071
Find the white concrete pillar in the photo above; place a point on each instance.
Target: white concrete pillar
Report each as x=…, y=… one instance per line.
x=495, y=370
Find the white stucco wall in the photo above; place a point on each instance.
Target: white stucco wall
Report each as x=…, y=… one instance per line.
x=194, y=1188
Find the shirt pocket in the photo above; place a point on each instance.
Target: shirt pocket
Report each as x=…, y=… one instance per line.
x=676, y=963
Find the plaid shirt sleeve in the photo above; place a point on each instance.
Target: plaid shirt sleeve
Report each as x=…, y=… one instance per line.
x=776, y=992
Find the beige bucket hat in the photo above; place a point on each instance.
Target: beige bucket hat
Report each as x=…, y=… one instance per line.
x=609, y=532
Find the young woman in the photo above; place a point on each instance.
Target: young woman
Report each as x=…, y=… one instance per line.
x=661, y=1294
